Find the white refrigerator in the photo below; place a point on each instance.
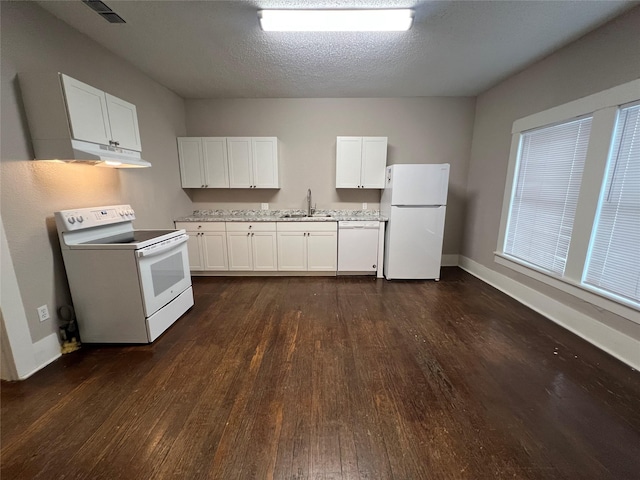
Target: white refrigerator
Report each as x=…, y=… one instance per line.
x=415, y=202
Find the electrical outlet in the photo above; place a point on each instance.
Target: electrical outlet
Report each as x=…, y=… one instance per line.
x=43, y=313
x=364, y=205
x=265, y=206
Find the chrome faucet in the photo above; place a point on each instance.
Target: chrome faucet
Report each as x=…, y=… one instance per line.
x=310, y=210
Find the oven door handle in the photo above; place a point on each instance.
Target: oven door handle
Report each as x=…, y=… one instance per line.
x=162, y=247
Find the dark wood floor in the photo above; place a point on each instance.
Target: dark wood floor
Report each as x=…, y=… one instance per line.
x=325, y=378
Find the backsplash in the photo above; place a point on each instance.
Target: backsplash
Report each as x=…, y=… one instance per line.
x=278, y=213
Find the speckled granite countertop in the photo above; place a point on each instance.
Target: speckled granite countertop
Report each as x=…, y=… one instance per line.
x=280, y=216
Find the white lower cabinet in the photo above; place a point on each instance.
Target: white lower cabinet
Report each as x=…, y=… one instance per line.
x=252, y=246
x=307, y=246
x=207, y=245
x=262, y=246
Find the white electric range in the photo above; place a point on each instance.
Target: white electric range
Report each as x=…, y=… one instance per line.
x=127, y=285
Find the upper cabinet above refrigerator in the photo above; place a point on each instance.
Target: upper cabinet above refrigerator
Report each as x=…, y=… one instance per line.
x=361, y=162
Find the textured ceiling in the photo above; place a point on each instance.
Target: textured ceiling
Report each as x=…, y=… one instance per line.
x=214, y=49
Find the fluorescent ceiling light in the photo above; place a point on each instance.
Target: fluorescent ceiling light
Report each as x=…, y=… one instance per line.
x=393, y=20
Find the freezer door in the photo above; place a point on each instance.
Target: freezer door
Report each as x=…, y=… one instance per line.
x=413, y=247
x=418, y=184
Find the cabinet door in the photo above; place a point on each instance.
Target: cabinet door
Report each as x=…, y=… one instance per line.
x=322, y=251
x=215, y=166
x=265, y=251
x=265, y=162
x=87, y=109
x=240, y=162
x=190, y=154
x=214, y=249
x=292, y=251
x=348, y=162
x=374, y=162
x=239, y=248
x=123, y=120
x=195, y=251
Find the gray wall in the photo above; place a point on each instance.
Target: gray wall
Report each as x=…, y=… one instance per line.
x=420, y=130
x=606, y=57
x=34, y=40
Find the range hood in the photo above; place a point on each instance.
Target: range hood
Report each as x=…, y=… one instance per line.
x=105, y=156
x=70, y=122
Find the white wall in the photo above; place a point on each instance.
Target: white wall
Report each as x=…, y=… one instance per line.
x=34, y=40
x=420, y=130
x=606, y=57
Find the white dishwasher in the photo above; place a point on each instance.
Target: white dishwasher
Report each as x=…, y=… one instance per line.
x=358, y=246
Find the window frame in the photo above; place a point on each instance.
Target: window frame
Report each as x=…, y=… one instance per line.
x=515, y=184
x=604, y=107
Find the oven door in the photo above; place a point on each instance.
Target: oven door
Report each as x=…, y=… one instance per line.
x=164, y=272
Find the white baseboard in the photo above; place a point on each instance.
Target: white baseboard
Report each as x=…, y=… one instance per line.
x=45, y=351
x=615, y=343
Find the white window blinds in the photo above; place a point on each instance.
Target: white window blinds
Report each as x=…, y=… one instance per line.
x=545, y=194
x=614, y=257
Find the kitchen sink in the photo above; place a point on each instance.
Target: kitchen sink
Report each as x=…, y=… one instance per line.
x=304, y=215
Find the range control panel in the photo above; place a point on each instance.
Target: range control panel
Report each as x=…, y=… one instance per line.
x=82, y=218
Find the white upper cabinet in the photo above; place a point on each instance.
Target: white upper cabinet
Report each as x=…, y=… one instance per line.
x=265, y=162
x=214, y=150
x=240, y=162
x=229, y=162
x=97, y=117
x=191, y=167
x=87, y=108
x=253, y=162
x=203, y=162
x=361, y=162
x=123, y=121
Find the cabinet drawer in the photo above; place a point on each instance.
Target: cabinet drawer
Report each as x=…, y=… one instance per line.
x=307, y=226
x=251, y=226
x=201, y=226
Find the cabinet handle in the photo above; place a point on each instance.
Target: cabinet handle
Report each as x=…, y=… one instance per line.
x=250, y=227
x=201, y=186
x=252, y=234
x=248, y=234
x=117, y=144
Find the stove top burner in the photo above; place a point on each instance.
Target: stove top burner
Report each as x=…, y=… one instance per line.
x=135, y=236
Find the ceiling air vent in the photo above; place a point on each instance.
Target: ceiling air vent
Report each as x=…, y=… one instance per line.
x=104, y=11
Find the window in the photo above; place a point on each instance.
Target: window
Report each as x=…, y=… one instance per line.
x=571, y=210
x=614, y=255
x=549, y=173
